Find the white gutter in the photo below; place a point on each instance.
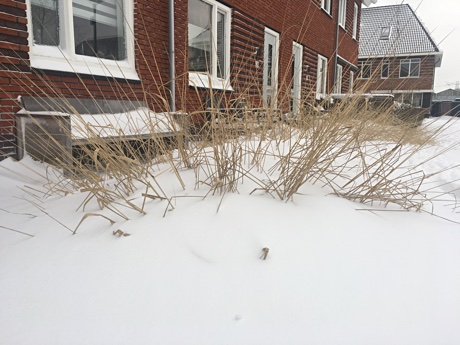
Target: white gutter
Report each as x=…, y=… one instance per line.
x=347, y=62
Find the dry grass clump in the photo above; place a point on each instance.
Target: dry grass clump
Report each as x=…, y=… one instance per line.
x=348, y=150
x=113, y=155
x=359, y=154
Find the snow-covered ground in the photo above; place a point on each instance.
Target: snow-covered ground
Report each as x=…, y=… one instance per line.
x=337, y=272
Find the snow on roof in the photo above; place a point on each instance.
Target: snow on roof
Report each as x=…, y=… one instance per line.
x=408, y=36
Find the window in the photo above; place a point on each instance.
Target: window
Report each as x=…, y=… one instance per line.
x=338, y=78
x=342, y=12
x=413, y=99
x=385, y=70
x=326, y=5
x=352, y=81
x=83, y=36
x=208, y=43
x=385, y=33
x=364, y=70
x=355, y=21
x=409, y=68
x=321, y=82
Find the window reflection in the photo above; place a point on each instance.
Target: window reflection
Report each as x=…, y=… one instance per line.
x=199, y=36
x=45, y=22
x=99, y=29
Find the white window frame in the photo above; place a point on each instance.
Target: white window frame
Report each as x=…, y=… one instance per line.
x=360, y=66
x=275, y=71
x=321, y=78
x=355, y=21
x=207, y=80
x=385, y=33
x=338, y=79
x=420, y=105
x=411, y=61
x=326, y=5
x=63, y=58
x=296, y=88
x=342, y=13
x=352, y=81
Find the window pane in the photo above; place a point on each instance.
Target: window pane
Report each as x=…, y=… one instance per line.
x=342, y=12
x=199, y=36
x=364, y=70
x=220, y=45
x=414, y=69
x=385, y=70
x=352, y=81
x=338, y=82
x=270, y=65
x=322, y=76
x=404, y=69
x=417, y=100
x=98, y=28
x=355, y=21
x=45, y=22
x=385, y=33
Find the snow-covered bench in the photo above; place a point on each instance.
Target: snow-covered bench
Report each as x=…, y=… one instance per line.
x=50, y=129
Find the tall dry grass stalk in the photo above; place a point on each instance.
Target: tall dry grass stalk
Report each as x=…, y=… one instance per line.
x=358, y=153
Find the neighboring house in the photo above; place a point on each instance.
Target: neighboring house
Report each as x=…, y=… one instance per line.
x=397, y=55
x=447, y=95
x=273, y=52
x=446, y=102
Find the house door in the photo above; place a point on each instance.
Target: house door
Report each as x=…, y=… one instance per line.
x=270, y=67
x=296, y=75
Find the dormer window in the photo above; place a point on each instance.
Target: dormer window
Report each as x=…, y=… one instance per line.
x=385, y=33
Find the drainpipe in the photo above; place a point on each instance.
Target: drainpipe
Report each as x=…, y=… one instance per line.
x=336, y=59
x=172, y=63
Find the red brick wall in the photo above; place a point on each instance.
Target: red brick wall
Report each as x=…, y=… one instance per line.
x=16, y=78
x=302, y=21
x=13, y=49
x=247, y=55
x=348, y=45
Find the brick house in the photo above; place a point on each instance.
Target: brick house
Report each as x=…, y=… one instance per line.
x=397, y=55
x=273, y=52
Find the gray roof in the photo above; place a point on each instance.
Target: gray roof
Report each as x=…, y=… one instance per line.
x=408, y=35
x=447, y=95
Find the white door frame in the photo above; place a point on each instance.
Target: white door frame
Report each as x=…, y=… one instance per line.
x=338, y=78
x=270, y=85
x=296, y=87
x=321, y=78
x=351, y=82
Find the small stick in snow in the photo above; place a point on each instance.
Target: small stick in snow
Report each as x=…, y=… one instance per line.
x=120, y=233
x=265, y=253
